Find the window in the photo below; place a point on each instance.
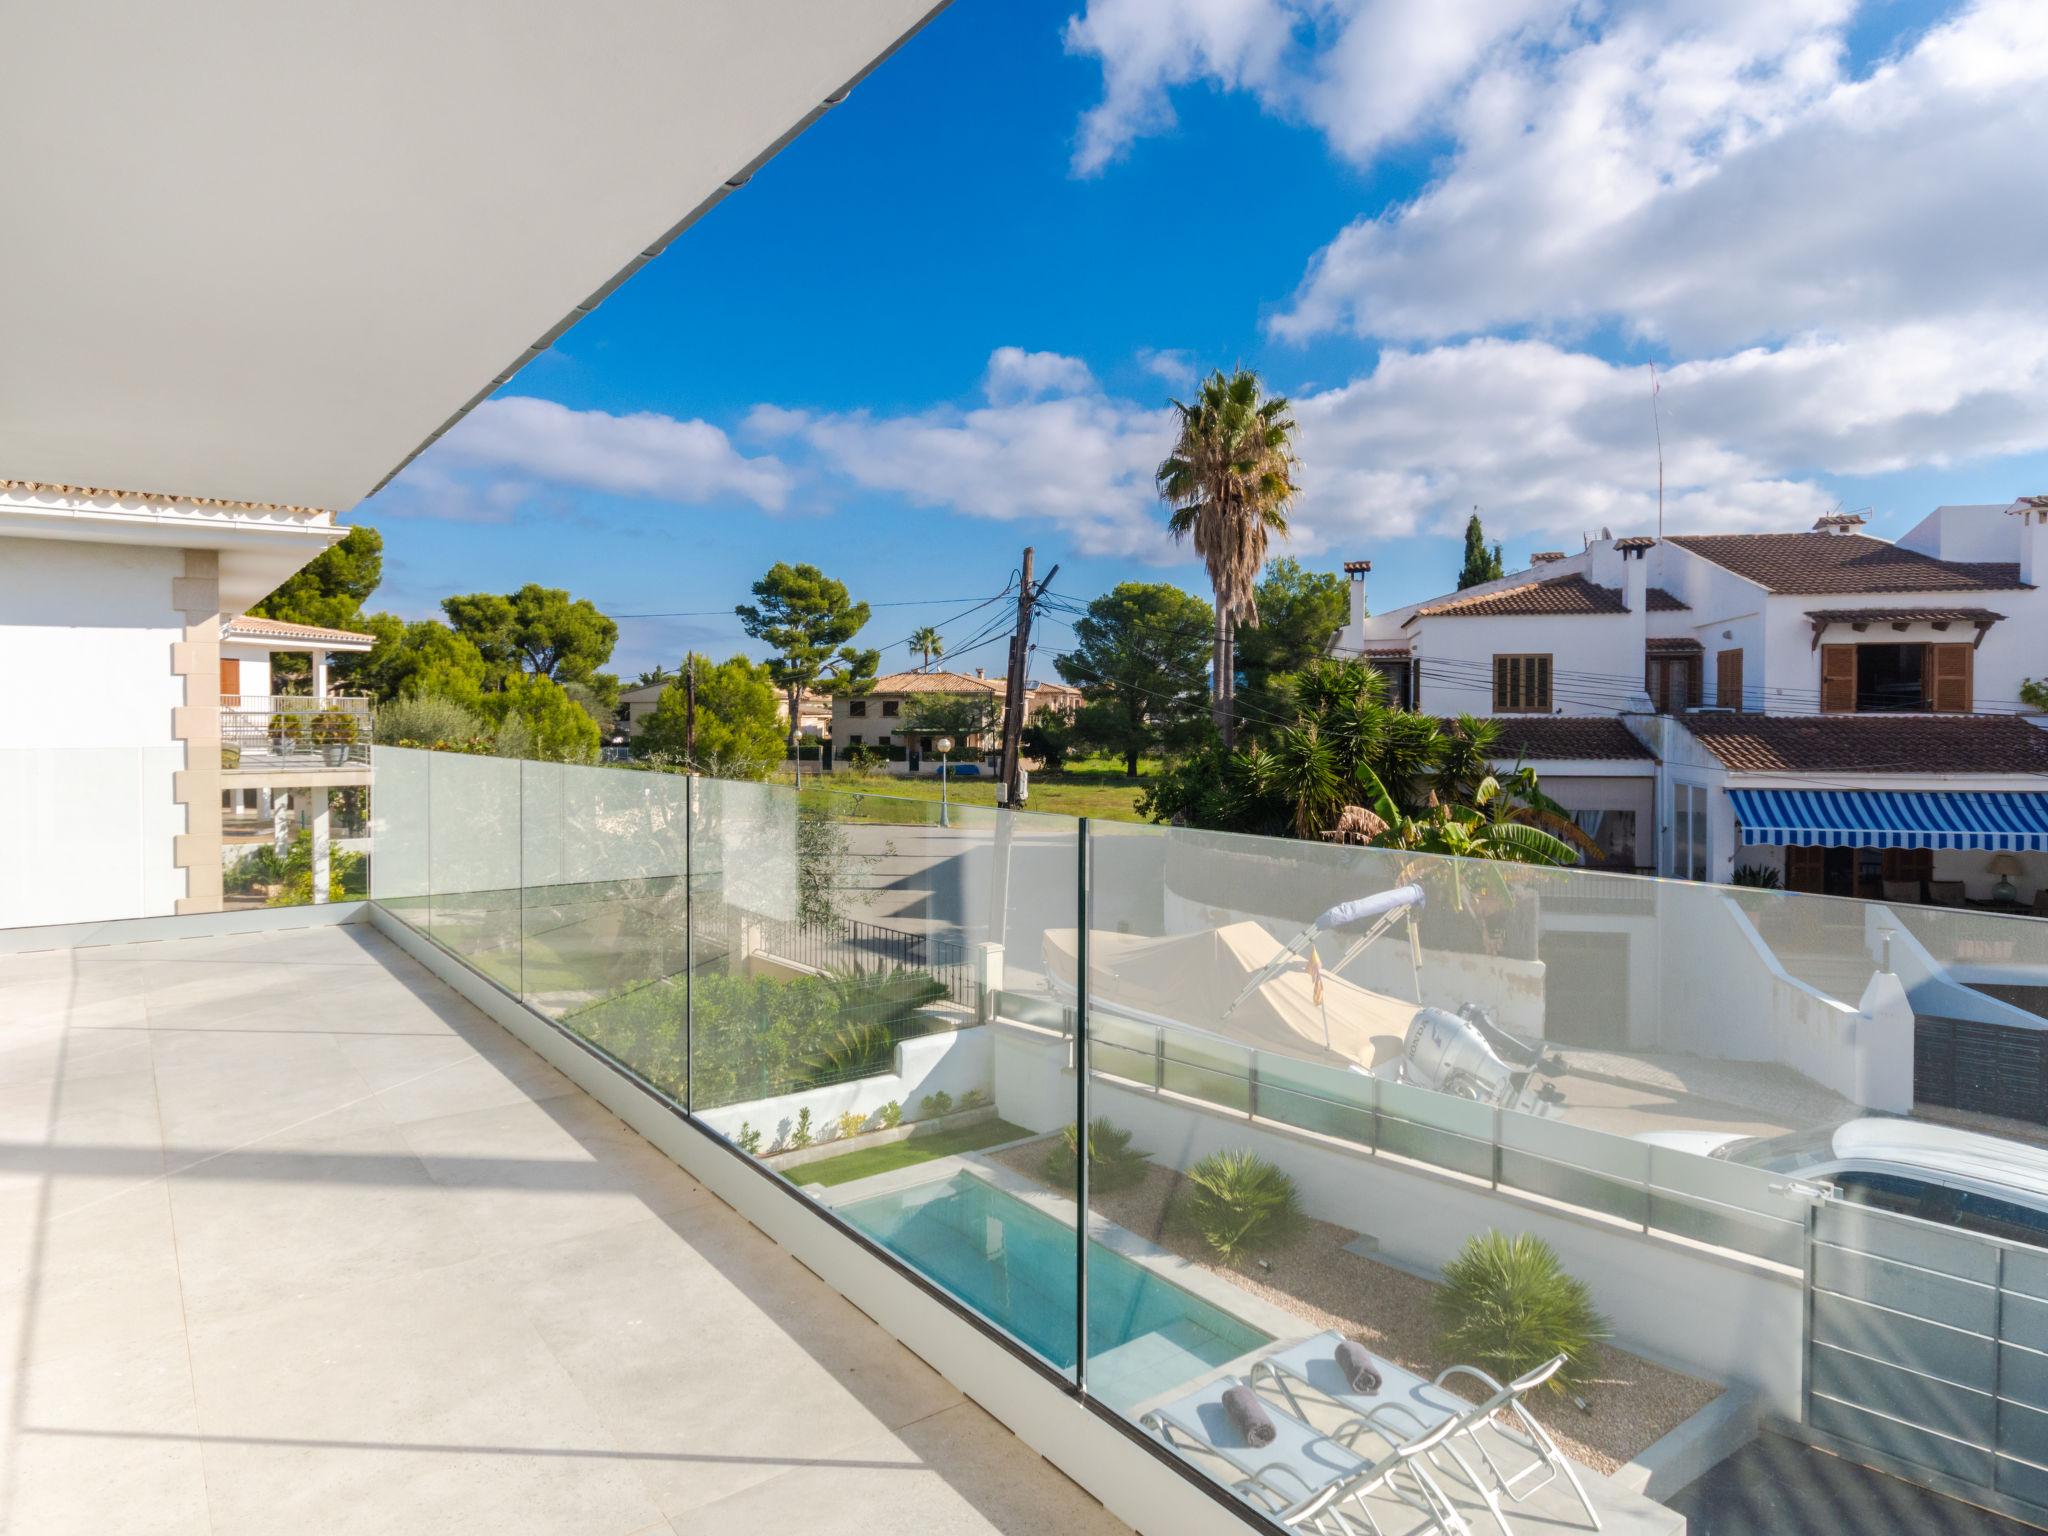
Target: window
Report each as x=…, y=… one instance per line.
x=1614, y=832
x=1672, y=682
x=1728, y=679
x=892, y=706
x=1400, y=675
x=858, y=708
x=1886, y=1191
x=1521, y=685
x=853, y=740
x=1688, y=832
x=1897, y=678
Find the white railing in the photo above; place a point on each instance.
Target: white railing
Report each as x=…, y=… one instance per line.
x=263, y=733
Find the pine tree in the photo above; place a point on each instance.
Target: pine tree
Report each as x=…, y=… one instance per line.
x=1481, y=564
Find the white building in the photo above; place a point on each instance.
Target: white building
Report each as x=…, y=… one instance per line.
x=1888, y=676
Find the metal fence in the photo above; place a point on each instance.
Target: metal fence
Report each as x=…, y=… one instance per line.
x=271, y=732
x=843, y=944
x=1617, y=1178
x=1927, y=1354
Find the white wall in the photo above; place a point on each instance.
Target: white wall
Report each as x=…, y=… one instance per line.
x=955, y=1063
x=1591, y=665
x=255, y=662
x=87, y=755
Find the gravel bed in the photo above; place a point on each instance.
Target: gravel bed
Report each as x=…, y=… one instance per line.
x=1631, y=1403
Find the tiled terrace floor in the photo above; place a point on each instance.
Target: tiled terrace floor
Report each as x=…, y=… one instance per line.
x=293, y=1239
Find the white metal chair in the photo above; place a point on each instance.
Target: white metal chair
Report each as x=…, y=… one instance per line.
x=1430, y=1410
x=1307, y=1480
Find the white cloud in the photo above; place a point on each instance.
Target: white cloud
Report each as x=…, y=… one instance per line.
x=645, y=454
x=1014, y=374
x=1172, y=365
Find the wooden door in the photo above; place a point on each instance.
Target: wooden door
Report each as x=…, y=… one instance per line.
x=1728, y=679
x=1838, y=679
x=1806, y=869
x=1950, y=678
x=230, y=681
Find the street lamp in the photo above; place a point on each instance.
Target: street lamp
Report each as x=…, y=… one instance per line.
x=944, y=745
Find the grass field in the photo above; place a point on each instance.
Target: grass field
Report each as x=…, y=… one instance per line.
x=906, y=1153
x=1090, y=787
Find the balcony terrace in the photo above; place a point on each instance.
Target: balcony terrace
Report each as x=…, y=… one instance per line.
x=299, y=1240
x=287, y=741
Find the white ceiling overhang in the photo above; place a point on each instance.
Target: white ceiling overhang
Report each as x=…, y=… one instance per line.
x=266, y=252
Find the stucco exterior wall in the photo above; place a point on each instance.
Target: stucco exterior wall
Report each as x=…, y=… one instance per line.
x=88, y=751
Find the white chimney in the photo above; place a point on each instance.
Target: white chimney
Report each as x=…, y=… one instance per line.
x=1357, y=571
x=2032, y=511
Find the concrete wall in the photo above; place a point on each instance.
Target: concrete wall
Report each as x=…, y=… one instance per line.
x=1719, y=1316
x=88, y=750
x=956, y=1063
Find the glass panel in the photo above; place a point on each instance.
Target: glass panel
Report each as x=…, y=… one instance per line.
x=399, y=872
x=473, y=842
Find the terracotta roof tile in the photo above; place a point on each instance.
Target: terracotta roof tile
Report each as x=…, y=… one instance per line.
x=1555, y=596
x=1557, y=738
x=1858, y=744
x=1983, y=616
x=1672, y=645
x=1817, y=563
x=935, y=682
x=247, y=627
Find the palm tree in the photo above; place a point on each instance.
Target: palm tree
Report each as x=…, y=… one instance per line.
x=925, y=642
x=1229, y=480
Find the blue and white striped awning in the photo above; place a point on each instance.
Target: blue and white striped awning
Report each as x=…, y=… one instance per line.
x=1858, y=818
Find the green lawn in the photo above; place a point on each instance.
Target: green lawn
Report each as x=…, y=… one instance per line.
x=1095, y=787
x=906, y=1153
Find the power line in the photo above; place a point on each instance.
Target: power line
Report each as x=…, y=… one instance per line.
x=726, y=613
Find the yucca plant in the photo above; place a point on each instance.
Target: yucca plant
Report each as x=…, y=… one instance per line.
x=1507, y=1306
x=1113, y=1163
x=1239, y=1202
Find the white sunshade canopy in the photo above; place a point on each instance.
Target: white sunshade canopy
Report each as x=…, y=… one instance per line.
x=265, y=252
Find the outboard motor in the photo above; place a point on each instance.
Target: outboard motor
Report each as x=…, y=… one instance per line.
x=1468, y=1056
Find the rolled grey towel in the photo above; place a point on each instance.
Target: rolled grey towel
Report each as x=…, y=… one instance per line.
x=1354, y=1363
x=1248, y=1415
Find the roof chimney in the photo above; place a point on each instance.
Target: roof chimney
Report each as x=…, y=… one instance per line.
x=2032, y=511
x=1839, y=522
x=1545, y=556
x=1635, y=573
x=981, y=672
x=1357, y=570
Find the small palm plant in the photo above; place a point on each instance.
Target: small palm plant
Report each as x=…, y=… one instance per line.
x=1240, y=1202
x=1113, y=1163
x=1507, y=1306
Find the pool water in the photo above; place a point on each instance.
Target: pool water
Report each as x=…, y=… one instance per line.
x=1015, y=1265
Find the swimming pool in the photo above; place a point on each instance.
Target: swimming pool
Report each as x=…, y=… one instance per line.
x=1015, y=1266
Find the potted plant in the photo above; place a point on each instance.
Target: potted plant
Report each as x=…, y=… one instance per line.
x=286, y=731
x=334, y=732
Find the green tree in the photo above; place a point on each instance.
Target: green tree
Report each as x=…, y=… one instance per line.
x=537, y=718
x=926, y=643
x=541, y=631
x=1301, y=613
x=971, y=719
x=1481, y=564
x=421, y=659
x=807, y=618
x=1229, y=481
x=1051, y=737
x=737, y=733
x=1427, y=787
x=330, y=589
x=1138, y=660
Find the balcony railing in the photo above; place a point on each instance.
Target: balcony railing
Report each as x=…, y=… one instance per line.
x=263, y=733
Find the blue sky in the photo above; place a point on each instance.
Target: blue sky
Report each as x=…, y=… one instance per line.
x=945, y=322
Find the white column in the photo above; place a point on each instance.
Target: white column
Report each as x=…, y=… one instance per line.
x=320, y=848
x=320, y=674
x=280, y=821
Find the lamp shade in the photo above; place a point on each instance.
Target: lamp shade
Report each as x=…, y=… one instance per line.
x=2007, y=864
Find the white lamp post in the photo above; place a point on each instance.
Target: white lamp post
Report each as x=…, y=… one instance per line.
x=944, y=745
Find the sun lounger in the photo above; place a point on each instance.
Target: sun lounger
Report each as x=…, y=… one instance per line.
x=1307, y=1480
x=1406, y=1403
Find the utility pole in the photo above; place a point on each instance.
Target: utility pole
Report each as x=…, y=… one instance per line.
x=1028, y=595
x=690, y=709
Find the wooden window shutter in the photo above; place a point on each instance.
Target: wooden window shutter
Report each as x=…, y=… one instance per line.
x=230, y=678
x=1728, y=679
x=1695, y=680
x=1806, y=869
x=1540, y=684
x=1951, y=674
x=1838, y=679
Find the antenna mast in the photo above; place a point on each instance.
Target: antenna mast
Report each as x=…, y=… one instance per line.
x=1657, y=420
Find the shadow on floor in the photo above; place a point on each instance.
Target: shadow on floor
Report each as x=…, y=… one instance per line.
x=1777, y=1487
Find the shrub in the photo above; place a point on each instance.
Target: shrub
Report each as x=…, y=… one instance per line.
x=933, y=1105
x=427, y=719
x=1761, y=876
x=748, y=1140
x=891, y=1115
x=801, y=1137
x=973, y=1098
x=852, y=1123
x=1238, y=1201
x=1507, y=1306
x=858, y=1048
x=1112, y=1162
